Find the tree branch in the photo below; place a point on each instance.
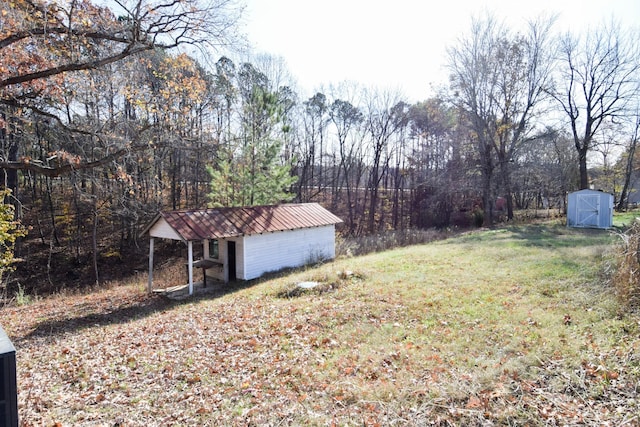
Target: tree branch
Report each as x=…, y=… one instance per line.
x=87, y=65
x=66, y=168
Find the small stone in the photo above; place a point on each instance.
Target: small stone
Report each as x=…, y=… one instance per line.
x=307, y=285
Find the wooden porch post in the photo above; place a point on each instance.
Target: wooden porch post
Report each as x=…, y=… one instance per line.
x=190, y=250
x=150, y=287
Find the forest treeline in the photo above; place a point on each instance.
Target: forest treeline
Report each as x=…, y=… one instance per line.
x=102, y=125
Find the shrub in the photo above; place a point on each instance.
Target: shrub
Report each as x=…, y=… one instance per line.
x=478, y=217
x=10, y=230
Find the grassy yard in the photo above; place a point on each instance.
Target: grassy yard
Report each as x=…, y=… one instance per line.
x=513, y=326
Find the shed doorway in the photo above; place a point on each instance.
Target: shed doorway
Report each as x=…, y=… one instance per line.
x=231, y=257
x=588, y=210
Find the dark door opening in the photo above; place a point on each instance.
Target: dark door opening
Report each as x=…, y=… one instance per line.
x=231, y=257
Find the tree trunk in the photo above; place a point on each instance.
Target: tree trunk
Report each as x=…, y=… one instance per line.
x=12, y=175
x=94, y=240
x=584, y=176
x=506, y=182
x=622, y=203
x=487, y=202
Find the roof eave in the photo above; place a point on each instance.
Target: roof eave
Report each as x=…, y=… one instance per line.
x=151, y=224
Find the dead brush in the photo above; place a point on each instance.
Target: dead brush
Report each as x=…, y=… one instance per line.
x=170, y=274
x=626, y=278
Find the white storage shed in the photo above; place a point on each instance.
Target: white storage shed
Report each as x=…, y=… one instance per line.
x=590, y=209
x=246, y=242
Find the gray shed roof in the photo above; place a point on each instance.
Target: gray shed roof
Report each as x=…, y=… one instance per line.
x=218, y=223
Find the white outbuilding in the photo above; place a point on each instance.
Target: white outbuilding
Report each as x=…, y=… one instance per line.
x=590, y=209
x=243, y=243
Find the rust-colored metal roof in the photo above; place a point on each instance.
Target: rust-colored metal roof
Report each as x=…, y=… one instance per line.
x=219, y=223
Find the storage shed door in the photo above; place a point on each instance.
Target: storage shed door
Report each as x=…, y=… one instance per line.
x=588, y=206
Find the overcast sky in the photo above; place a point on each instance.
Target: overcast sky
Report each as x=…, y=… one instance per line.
x=397, y=44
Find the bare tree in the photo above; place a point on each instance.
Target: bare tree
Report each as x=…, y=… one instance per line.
x=598, y=79
x=385, y=115
x=310, y=149
x=346, y=118
x=500, y=79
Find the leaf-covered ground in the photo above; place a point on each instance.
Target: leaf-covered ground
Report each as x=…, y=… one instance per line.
x=498, y=328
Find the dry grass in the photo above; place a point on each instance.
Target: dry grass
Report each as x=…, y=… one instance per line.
x=627, y=267
x=362, y=245
x=503, y=327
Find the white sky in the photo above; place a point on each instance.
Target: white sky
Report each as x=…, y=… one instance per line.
x=396, y=45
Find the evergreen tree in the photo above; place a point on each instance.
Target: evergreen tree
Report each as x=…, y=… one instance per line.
x=251, y=172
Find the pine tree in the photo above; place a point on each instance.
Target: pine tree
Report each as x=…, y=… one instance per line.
x=250, y=172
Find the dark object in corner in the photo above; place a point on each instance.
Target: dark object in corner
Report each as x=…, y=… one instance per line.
x=8, y=384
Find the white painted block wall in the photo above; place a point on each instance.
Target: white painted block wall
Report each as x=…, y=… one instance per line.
x=274, y=251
